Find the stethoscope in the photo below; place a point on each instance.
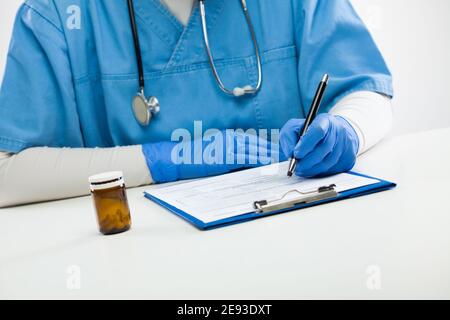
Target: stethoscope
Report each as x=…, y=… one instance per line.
x=145, y=108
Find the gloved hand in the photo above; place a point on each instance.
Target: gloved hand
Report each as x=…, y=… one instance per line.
x=330, y=145
x=220, y=153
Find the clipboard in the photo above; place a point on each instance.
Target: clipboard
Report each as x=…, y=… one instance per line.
x=291, y=201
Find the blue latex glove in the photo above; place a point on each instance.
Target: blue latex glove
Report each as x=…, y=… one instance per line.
x=236, y=151
x=330, y=145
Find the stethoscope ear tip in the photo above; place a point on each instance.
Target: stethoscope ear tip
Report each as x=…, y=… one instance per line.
x=240, y=92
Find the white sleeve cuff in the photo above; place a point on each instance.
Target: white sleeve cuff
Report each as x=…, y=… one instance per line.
x=369, y=113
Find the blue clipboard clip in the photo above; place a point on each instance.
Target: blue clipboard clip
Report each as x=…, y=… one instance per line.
x=323, y=193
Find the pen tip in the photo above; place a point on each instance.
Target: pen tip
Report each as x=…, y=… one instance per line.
x=289, y=174
x=326, y=77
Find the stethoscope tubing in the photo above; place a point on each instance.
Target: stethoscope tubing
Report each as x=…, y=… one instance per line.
x=211, y=58
x=144, y=108
x=137, y=45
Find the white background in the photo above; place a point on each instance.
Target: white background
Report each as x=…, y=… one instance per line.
x=412, y=34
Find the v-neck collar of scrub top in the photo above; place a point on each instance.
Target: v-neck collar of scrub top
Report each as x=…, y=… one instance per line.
x=176, y=35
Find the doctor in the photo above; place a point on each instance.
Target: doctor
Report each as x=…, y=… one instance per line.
x=72, y=73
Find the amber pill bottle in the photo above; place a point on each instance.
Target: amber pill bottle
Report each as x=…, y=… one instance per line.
x=110, y=201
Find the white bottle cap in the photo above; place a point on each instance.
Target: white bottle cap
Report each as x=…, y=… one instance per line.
x=106, y=180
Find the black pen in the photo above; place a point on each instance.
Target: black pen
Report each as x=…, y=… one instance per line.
x=311, y=116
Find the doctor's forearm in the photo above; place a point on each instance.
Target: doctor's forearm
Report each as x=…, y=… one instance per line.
x=42, y=174
x=369, y=113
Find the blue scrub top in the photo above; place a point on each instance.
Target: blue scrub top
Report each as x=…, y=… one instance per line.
x=70, y=83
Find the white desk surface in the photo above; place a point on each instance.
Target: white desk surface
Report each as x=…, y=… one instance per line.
x=321, y=252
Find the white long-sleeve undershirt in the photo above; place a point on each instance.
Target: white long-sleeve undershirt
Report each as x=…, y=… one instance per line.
x=369, y=113
x=43, y=174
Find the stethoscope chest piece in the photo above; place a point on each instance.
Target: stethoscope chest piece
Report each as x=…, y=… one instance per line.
x=144, y=109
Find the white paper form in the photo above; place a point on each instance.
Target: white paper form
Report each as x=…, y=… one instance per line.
x=233, y=194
